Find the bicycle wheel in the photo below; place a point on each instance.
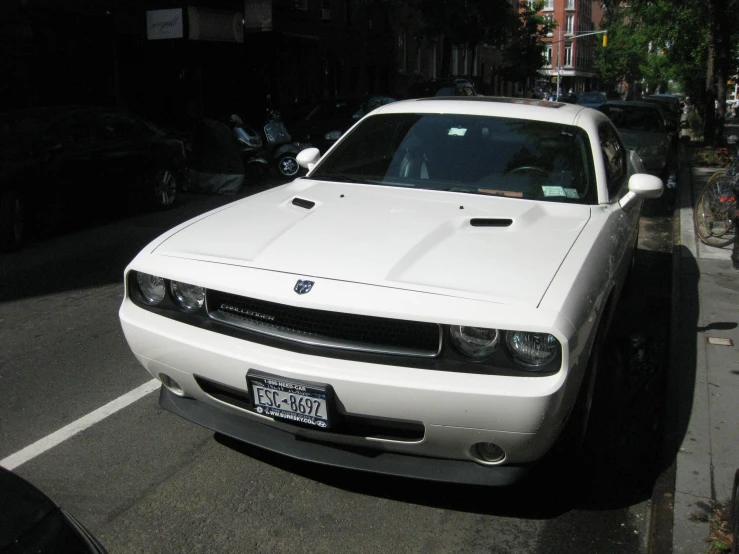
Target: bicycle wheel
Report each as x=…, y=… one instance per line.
x=714, y=212
x=718, y=175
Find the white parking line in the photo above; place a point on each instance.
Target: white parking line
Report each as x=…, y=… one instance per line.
x=57, y=437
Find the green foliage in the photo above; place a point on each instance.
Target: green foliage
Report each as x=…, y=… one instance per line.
x=524, y=45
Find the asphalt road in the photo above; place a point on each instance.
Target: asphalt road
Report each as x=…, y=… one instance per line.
x=143, y=480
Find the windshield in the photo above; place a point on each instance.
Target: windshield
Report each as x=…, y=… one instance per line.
x=634, y=118
x=466, y=153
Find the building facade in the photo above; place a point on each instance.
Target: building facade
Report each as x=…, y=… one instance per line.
x=570, y=55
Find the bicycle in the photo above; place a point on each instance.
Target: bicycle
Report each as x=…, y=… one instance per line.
x=714, y=212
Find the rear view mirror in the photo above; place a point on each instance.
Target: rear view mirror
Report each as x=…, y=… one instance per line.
x=642, y=186
x=308, y=158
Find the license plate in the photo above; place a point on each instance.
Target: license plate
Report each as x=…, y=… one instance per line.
x=290, y=400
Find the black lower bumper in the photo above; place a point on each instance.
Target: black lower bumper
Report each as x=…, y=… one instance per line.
x=384, y=463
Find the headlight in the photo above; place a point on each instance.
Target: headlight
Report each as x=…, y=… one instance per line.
x=188, y=297
x=152, y=288
x=531, y=350
x=332, y=135
x=475, y=342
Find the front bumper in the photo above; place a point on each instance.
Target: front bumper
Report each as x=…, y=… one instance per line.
x=383, y=463
x=455, y=411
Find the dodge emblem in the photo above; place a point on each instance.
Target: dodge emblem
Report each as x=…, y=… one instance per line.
x=303, y=287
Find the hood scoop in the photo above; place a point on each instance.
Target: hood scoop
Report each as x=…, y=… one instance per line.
x=301, y=202
x=490, y=222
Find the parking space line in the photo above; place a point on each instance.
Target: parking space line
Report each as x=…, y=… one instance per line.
x=57, y=437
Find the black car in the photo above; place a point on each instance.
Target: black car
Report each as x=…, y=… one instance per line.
x=330, y=119
x=68, y=163
x=31, y=522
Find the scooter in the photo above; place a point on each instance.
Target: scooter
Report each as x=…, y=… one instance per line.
x=253, y=155
x=281, y=149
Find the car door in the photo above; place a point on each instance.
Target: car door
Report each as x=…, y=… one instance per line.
x=622, y=225
x=69, y=168
x=123, y=149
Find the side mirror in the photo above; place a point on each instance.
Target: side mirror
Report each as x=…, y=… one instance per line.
x=308, y=158
x=642, y=186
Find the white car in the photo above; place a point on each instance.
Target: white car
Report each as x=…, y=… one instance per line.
x=427, y=302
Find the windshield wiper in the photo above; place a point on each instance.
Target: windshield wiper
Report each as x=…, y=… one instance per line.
x=340, y=177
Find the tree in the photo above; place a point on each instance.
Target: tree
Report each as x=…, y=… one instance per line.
x=524, y=48
x=699, y=41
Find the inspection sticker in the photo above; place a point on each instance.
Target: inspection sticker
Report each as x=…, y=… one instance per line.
x=553, y=191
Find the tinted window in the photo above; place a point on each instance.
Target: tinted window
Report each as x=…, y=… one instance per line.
x=591, y=98
x=467, y=153
x=614, y=157
x=634, y=118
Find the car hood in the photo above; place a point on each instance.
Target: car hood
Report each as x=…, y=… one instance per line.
x=439, y=242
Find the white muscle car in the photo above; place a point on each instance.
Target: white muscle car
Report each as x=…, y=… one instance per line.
x=429, y=301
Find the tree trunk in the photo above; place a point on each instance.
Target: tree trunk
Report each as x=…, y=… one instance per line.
x=709, y=112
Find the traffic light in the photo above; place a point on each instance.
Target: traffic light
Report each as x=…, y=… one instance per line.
x=605, y=40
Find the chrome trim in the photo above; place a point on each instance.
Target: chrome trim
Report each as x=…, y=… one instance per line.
x=318, y=340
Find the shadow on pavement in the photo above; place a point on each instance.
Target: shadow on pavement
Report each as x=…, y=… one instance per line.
x=95, y=250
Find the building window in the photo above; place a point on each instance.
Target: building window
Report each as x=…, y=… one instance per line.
x=569, y=24
x=418, y=57
x=301, y=4
x=402, y=52
x=570, y=5
x=549, y=22
x=549, y=56
x=548, y=5
x=455, y=60
x=475, y=61
x=568, y=55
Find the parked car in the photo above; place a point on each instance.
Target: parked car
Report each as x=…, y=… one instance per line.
x=441, y=87
x=671, y=107
x=430, y=301
x=31, y=522
x=591, y=99
x=331, y=118
x=69, y=162
x=643, y=128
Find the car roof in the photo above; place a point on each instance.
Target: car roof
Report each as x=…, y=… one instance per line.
x=524, y=108
x=638, y=104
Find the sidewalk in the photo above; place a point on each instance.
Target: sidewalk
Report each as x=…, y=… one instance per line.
x=703, y=389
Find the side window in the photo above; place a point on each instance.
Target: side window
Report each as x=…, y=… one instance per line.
x=614, y=156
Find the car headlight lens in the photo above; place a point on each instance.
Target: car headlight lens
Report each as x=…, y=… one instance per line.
x=332, y=135
x=152, y=288
x=475, y=342
x=532, y=350
x=188, y=297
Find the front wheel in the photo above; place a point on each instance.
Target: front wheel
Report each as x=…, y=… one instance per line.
x=714, y=211
x=287, y=166
x=164, y=189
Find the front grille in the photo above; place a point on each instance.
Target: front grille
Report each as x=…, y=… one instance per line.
x=325, y=328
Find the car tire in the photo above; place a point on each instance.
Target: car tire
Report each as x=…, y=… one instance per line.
x=287, y=166
x=12, y=227
x=163, y=189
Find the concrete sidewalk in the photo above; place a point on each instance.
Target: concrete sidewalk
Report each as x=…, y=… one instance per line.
x=703, y=389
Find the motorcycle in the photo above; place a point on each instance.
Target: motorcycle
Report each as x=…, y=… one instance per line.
x=280, y=147
x=253, y=155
